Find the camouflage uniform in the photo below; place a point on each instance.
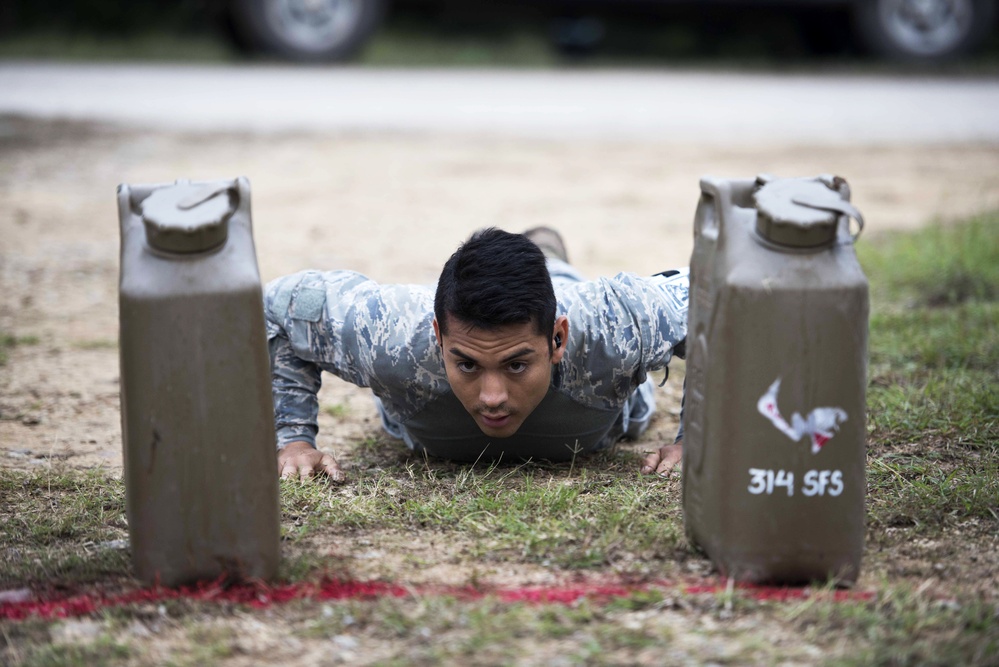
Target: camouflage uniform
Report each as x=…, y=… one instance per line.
x=382, y=337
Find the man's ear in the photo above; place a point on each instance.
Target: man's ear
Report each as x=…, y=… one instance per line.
x=437, y=334
x=560, y=338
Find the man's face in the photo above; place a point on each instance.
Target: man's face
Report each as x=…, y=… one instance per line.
x=500, y=375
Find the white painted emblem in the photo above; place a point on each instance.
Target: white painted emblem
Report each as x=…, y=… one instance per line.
x=820, y=425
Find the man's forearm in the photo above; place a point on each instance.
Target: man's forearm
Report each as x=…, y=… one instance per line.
x=295, y=384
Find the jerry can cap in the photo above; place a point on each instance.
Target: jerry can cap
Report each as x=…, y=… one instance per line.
x=797, y=212
x=188, y=218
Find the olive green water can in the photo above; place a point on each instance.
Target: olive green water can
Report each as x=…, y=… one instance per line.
x=196, y=410
x=774, y=422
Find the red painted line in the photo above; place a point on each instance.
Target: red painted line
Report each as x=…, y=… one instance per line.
x=259, y=596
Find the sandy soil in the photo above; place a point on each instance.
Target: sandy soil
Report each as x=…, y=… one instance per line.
x=393, y=207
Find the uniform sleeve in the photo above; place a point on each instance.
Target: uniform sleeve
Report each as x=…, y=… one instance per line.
x=295, y=381
x=294, y=386
x=620, y=329
x=673, y=289
x=663, y=300
x=370, y=335
x=670, y=292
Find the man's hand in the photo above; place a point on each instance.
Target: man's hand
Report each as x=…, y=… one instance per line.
x=302, y=460
x=663, y=460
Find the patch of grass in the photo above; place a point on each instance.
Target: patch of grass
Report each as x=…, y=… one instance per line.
x=96, y=344
x=933, y=401
x=918, y=339
x=60, y=527
x=920, y=491
x=637, y=601
x=446, y=630
x=103, y=651
x=958, y=406
x=939, y=265
x=582, y=521
x=8, y=342
x=904, y=627
x=211, y=642
x=337, y=410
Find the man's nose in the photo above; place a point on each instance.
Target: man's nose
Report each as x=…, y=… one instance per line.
x=492, y=392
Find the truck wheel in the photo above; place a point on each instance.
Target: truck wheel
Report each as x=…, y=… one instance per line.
x=306, y=30
x=923, y=30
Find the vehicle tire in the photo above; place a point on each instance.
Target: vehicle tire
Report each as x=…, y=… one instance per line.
x=306, y=30
x=923, y=30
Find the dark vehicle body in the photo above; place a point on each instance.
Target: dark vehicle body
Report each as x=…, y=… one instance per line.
x=907, y=30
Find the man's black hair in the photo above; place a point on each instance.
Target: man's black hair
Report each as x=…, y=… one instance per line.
x=494, y=279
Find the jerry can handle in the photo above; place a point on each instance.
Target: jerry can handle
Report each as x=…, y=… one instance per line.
x=842, y=207
x=204, y=194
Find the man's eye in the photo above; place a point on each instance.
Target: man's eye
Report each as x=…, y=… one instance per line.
x=517, y=367
x=465, y=366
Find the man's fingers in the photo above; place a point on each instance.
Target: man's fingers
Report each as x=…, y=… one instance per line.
x=663, y=460
x=332, y=468
x=651, y=463
x=305, y=468
x=670, y=457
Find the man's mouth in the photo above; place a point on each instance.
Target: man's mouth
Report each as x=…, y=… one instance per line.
x=495, y=421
